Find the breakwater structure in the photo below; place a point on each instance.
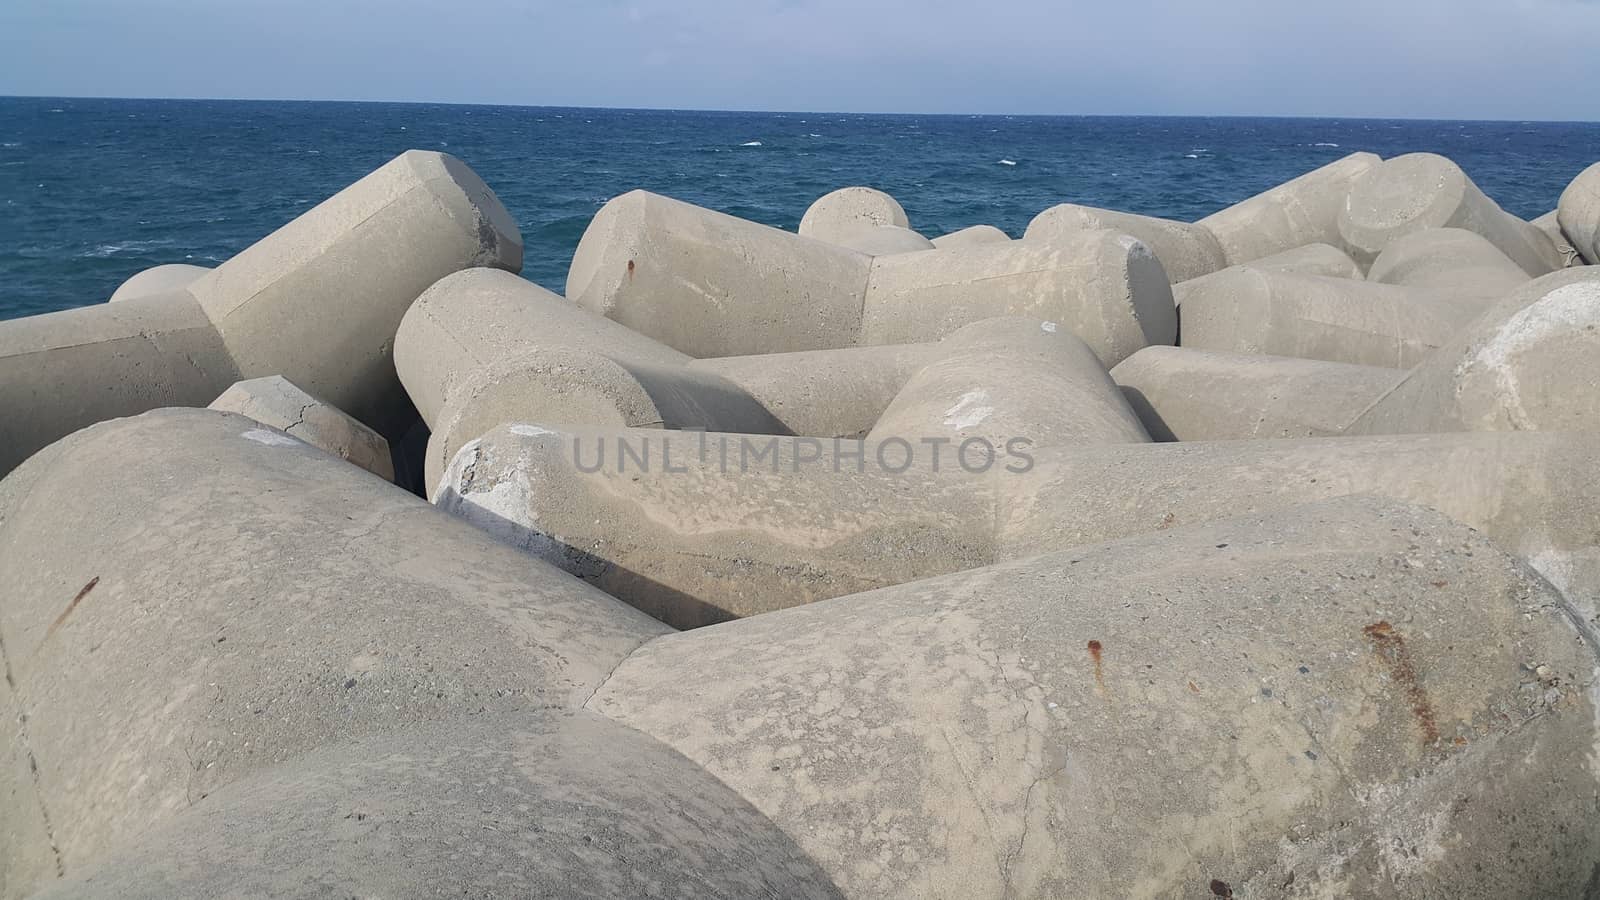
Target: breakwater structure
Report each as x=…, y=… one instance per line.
x=1252, y=557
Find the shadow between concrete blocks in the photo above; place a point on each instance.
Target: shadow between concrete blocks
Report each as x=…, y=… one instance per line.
x=659, y=601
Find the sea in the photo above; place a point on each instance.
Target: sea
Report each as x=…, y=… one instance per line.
x=92, y=191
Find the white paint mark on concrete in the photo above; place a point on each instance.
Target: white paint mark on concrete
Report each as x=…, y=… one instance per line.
x=497, y=499
x=1048, y=327
x=270, y=438
x=970, y=411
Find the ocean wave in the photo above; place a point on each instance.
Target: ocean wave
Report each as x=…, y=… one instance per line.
x=1325, y=144
x=11, y=144
x=751, y=144
x=106, y=251
x=1006, y=162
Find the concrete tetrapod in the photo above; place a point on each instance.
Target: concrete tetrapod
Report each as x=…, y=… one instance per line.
x=319, y=300
x=1420, y=191
x=533, y=804
x=1312, y=259
x=836, y=214
x=1108, y=289
x=700, y=528
x=710, y=285
x=478, y=316
x=562, y=386
x=1353, y=699
x=1186, y=251
x=277, y=403
x=694, y=528
x=1293, y=214
x=882, y=240
x=64, y=370
x=485, y=348
x=1550, y=224
x=1453, y=261
x=316, y=301
x=1578, y=214
x=1245, y=310
x=1184, y=394
x=156, y=280
x=826, y=393
x=1005, y=380
x=243, y=598
x=975, y=234
x=1530, y=363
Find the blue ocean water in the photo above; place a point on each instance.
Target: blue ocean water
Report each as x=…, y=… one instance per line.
x=92, y=191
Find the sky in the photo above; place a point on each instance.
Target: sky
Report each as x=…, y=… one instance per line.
x=1458, y=59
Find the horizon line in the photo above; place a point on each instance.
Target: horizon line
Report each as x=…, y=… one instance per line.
x=794, y=112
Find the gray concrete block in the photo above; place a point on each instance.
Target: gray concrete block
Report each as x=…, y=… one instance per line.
x=533, y=804
x=1184, y=394
x=881, y=240
x=1004, y=379
x=1186, y=251
x=62, y=371
x=722, y=532
x=477, y=316
x=1563, y=254
x=1579, y=214
x=566, y=386
x=1311, y=259
x=975, y=234
x=1356, y=699
x=824, y=393
x=482, y=348
x=1530, y=363
x=1299, y=212
x=1421, y=191
x=277, y=403
x=173, y=278
x=847, y=209
x=700, y=528
x=1452, y=261
x=192, y=598
x=317, y=301
x=1108, y=289
x=1244, y=310
x=711, y=285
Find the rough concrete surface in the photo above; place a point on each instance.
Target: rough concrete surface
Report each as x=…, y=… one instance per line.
x=1300, y=704
x=242, y=598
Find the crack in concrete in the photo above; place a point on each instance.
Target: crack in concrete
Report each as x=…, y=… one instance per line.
x=33, y=764
x=299, y=419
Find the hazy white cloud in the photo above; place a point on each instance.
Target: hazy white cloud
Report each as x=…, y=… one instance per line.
x=1443, y=58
